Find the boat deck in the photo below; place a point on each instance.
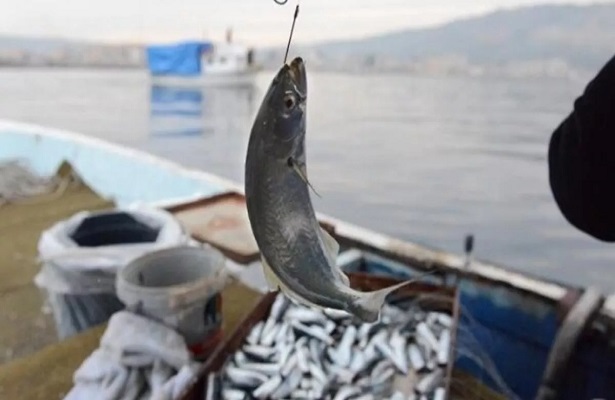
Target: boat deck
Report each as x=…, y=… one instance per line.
x=33, y=364
x=27, y=329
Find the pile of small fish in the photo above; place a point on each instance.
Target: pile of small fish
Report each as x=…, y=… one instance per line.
x=307, y=353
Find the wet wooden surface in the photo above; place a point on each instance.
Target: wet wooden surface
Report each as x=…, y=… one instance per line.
x=223, y=222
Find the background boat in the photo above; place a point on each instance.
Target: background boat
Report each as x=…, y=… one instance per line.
x=201, y=63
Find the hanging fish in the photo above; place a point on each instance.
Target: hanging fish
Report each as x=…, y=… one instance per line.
x=298, y=256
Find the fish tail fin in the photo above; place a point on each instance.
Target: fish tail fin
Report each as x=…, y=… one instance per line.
x=367, y=305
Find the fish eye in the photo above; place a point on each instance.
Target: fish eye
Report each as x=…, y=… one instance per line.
x=289, y=101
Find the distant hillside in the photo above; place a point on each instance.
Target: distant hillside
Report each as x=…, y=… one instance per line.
x=582, y=36
x=35, y=44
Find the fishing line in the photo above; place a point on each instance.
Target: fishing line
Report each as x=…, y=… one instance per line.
x=292, y=28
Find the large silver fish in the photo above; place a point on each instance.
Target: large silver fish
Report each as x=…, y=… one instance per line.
x=298, y=256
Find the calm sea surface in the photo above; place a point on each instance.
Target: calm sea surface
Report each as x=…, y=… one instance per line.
x=423, y=159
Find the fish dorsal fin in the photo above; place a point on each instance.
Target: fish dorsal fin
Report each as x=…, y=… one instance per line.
x=301, y=171
x=332, y=249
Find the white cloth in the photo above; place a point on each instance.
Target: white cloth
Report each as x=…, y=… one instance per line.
x=138, y=359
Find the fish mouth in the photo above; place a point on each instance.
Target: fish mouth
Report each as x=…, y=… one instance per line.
x=298, y=75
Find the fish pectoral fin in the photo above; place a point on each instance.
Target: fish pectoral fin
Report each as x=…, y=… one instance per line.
x=301, y=171
x=332, y=249
x=272, y=281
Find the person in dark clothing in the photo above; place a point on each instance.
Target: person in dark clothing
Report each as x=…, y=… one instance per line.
x=582, y=159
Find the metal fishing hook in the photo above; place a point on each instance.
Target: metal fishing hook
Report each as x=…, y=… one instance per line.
x=280, y=2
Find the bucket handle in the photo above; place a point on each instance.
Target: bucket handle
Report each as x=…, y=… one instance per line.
x=206, y=287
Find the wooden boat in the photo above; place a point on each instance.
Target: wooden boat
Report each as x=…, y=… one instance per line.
x=520, y=336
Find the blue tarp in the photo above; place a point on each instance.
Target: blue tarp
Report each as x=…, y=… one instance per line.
x=183, y=59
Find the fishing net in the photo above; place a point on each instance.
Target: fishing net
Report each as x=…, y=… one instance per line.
x=19, y=184
x=468, y=346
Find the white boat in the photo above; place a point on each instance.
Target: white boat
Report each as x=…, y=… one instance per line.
x=528, y=335
x=202, y=63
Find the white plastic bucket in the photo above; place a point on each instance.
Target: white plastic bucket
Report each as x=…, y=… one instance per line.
x=176, y=286
x=81, y=257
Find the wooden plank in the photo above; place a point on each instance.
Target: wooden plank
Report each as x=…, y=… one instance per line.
x=221, y=221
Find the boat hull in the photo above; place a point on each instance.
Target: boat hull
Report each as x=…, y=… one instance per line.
x=227, y=79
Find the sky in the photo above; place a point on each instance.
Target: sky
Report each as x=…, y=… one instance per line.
x=254, y=22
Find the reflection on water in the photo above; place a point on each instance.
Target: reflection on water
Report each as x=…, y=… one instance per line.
x=195, y=111
x=176, y=112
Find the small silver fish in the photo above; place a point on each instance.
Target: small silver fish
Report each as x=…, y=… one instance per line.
x=318, y=373
x=366, y=396
x=344, y=375
x=291, y=382
x=282, y=333
x=430, y=381
x=337, y=314
x=313, y=331
x=345, y=392
x=359, y=362
x=213, y=387
x=262, y=353
x=343, y=352
x=290, y=365
x=265, y=368
x=444, y=347
x=268, y=337
x=439, y=394
x=284, y=353
x=279, y=307
x=384, y=376
x=380, y=367
x=305, y=315
x=398, y=359
x=304, y=395
x=255, y=333
x=445, y=320
x=400, y=356
x=245, y=377
x=267, y=388
x=302, y=358
x=416, y=358
x=269, y=325
x=234, y=394
x=423, y=330
x=315, y=351
x=398, y=396
x=240, y=358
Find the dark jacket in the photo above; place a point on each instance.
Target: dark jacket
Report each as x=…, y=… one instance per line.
x=582, y=159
